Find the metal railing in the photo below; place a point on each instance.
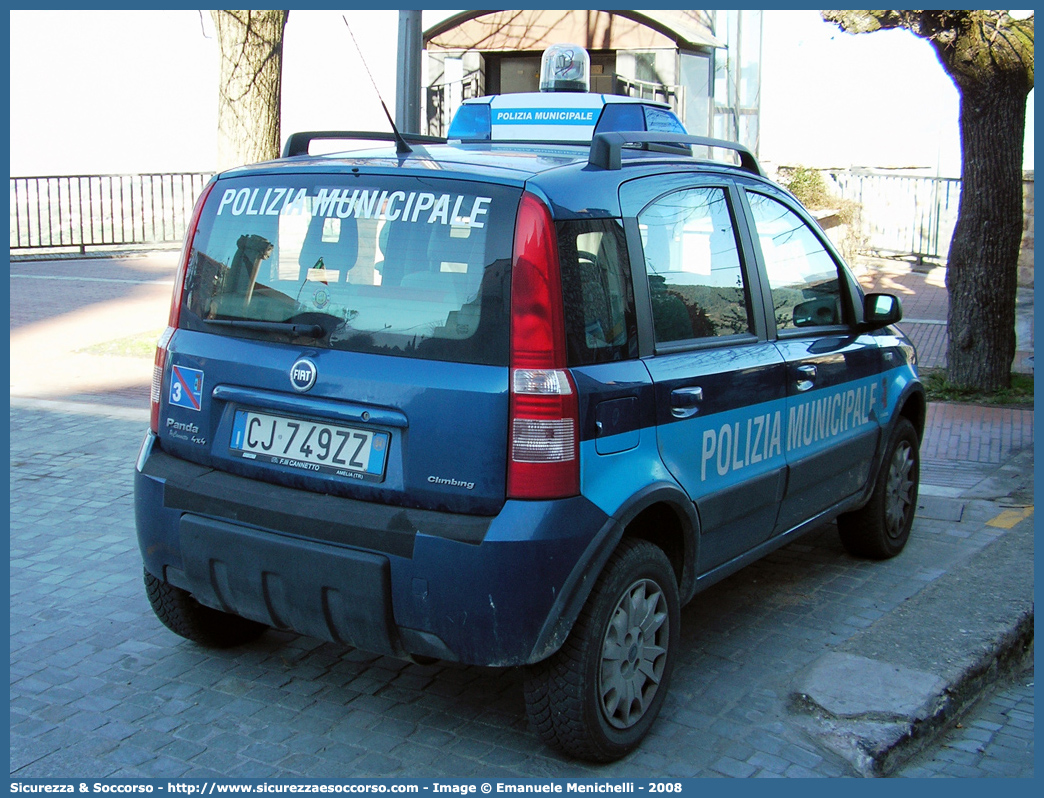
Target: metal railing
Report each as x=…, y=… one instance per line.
x=659, y=92
x=902, y=215
x=80, y=211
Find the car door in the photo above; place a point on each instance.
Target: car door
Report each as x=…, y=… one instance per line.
x=718, y=381
x=832, y=384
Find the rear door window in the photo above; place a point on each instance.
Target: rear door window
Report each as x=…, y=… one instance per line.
x=409, y=267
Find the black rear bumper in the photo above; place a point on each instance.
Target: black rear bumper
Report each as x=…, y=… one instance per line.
x=329, y=592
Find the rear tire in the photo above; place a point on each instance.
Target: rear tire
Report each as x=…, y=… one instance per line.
x=185, y=616
x=598, y=695
x=880, y=529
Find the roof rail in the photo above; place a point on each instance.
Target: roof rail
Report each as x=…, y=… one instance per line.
x=606, y=147
x=297, y=143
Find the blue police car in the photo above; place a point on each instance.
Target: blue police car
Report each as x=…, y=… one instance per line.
x=513, y=399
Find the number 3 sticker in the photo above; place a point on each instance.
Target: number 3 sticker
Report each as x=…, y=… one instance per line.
x=186, y=387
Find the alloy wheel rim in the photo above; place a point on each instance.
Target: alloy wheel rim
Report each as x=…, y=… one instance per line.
x=900, y=490
x=634, y=654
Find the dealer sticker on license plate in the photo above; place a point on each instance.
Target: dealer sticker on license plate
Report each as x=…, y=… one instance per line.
x=310, y=445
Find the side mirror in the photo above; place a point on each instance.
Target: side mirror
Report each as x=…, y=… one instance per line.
x=880, y=310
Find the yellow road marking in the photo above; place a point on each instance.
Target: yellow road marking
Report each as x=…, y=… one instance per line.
x=1009, y=518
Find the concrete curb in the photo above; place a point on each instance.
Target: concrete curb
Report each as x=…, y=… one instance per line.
x=892, y=689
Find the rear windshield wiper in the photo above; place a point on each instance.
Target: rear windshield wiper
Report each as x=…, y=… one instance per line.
x=285, y=327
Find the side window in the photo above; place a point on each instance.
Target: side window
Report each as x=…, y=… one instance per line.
x=696, y=281
x=601, y=325
x=806, y=291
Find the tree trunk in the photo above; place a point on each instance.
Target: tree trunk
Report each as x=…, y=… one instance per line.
x=982, y=266
x=249, y=88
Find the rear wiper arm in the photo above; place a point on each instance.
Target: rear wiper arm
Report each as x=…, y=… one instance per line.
x=286, y=327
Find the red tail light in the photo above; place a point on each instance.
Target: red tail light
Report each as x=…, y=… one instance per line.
x=544, y=443
x=160, y=361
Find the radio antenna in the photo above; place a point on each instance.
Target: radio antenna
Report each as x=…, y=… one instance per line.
x=401, y=147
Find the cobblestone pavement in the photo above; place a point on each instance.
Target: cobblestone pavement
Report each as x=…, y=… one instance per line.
x=994, y=740
x=99, y=688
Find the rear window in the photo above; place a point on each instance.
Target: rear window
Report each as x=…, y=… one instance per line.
x=411, y=267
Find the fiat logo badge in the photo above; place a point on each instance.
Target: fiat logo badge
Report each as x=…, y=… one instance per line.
x=303, y=374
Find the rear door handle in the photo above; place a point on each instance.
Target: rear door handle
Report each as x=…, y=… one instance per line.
x=685, y=401
x=806, y=376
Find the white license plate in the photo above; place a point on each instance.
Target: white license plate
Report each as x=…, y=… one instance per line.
x=310, y=445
